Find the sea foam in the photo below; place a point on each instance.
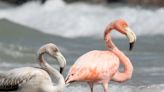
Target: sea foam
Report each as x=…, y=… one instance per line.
x=81, y=19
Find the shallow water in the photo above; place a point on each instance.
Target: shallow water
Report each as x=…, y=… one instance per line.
x=117, y=88
x=75, y=34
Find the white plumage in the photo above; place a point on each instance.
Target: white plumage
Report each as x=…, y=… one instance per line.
x=30, y=79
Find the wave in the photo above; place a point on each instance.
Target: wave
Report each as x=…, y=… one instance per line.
x=81, y=19
x=14, y=51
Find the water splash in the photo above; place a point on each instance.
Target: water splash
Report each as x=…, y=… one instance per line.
x=80, y=19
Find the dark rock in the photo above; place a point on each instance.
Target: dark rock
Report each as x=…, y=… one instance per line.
x=19, y=2
x=147, y=2
x=95, y=1
x=90, y=1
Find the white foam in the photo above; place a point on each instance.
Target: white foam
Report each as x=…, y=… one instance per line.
x=80, y=19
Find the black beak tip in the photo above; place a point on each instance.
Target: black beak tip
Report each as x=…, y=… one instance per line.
x=131, y=45
x=61, y=70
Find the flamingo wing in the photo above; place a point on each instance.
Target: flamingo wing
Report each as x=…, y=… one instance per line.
x=12, y=80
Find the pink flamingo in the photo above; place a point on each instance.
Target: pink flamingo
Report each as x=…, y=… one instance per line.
x=102, y=66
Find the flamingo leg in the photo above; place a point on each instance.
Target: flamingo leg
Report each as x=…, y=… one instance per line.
x=105, y=86
x=91, y=86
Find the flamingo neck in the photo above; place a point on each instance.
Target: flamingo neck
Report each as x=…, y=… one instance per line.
x=126, y=74
x=107, y=38
x=51, y=71
x=128, y=68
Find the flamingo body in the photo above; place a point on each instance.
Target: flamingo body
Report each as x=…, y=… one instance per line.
x=26, y=79
x=86, y=66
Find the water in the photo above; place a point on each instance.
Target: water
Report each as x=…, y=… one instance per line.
x=56, y=16
x=78, y=28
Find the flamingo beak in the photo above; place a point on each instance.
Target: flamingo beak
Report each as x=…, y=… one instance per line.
x=61, y=70
x=131, y=37
x=131, y=45
x=68, y=80
x=62, y=61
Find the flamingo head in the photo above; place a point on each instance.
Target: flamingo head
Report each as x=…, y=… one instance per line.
x=70, y=79
x=74, y=75
x=52, y=50
x=122, y=26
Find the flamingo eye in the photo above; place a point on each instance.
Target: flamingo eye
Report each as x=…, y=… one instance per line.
x=55, y=50
x=124, y=25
